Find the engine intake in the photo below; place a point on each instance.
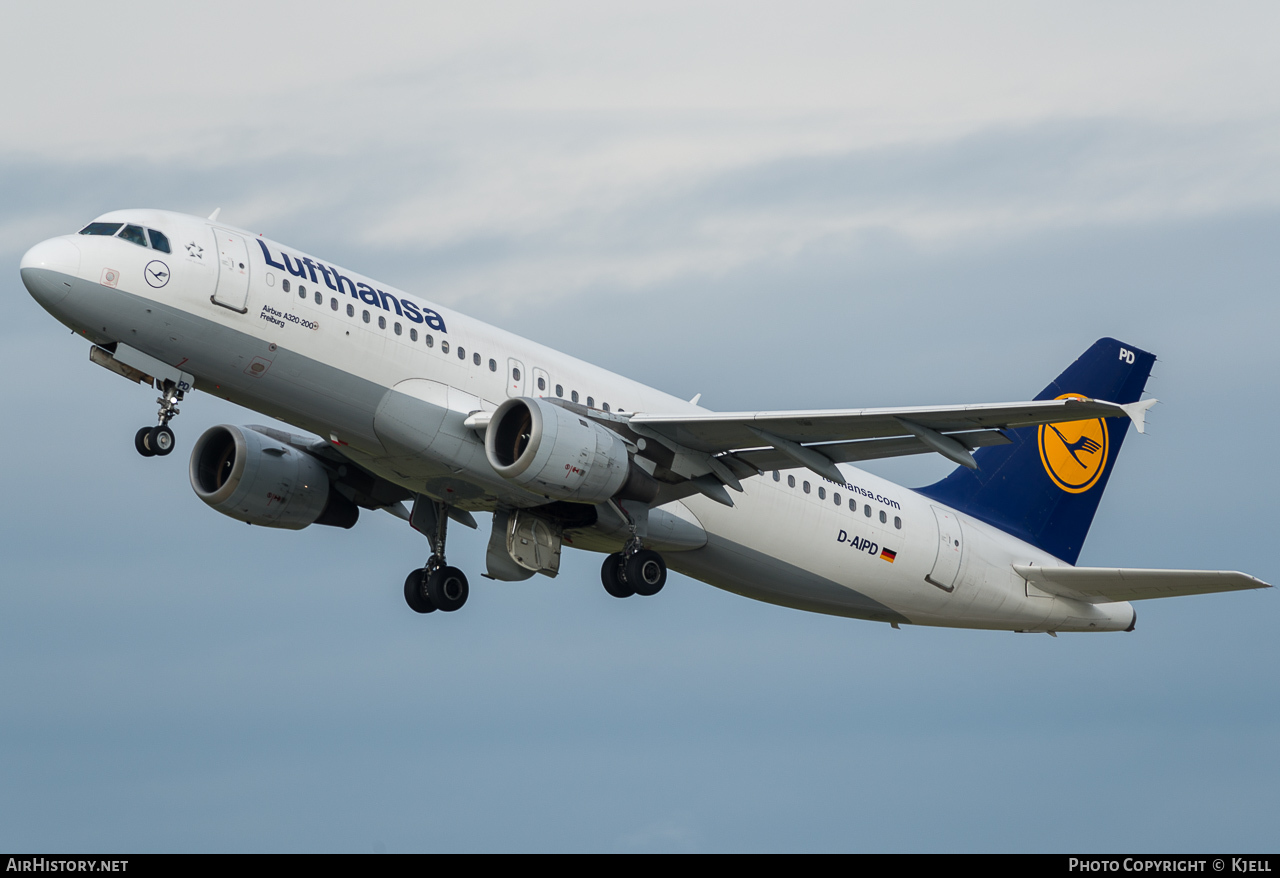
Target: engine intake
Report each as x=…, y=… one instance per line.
x=252, y=477
x=549, y=449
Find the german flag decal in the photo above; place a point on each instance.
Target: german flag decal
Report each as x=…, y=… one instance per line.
x=888, y=555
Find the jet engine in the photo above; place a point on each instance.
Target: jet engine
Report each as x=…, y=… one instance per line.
x=252, y=477
x=549, y=449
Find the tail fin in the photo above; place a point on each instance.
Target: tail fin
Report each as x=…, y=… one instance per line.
x=1044, y=488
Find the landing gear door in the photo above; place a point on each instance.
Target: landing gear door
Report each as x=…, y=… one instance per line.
x=515, y=378
x=233, y=271
x=946, y=567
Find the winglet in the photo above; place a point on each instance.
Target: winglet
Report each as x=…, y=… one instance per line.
x=213, y=217
x=1137, y=412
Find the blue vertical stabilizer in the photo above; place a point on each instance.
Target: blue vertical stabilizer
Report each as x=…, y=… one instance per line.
x=1045, y=487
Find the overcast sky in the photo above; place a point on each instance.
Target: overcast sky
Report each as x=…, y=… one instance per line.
x=777, y=206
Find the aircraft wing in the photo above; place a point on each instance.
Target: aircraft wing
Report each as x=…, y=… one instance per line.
x=747, y=442
x=1100, y=585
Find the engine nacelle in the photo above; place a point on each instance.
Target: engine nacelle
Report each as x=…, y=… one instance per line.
x=550, y=450
x=255, y=478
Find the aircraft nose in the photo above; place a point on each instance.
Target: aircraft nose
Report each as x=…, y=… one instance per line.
x=48, y=269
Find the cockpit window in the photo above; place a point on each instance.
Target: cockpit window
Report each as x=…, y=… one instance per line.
x=134, y=235
x=158, y=241
x=107, y=229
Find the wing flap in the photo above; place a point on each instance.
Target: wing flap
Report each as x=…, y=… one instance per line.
x=1098, y=585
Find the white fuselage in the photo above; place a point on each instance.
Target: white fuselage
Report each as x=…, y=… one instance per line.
x=323, y=354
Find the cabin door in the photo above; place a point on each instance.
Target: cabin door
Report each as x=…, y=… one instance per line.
x=516, y=378
x=946, y=566
x=233, y=271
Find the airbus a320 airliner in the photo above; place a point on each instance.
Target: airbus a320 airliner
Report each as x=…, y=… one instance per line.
x=432, y=416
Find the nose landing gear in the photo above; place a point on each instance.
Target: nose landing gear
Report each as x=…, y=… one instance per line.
x=159, y=440
x=152, y=441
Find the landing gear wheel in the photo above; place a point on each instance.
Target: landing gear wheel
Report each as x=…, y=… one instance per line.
x=447, y=588
x=646, y=572
x=414, y=593
x=140, y=440
x=611, y=576
x=160, y=440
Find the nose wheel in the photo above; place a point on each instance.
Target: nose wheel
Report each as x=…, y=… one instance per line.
x=153, y=441
x=159, y=440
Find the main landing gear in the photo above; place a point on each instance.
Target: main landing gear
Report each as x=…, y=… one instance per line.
x=634, y=570
x=429, y=588
x=436, y=586
x=158, y=440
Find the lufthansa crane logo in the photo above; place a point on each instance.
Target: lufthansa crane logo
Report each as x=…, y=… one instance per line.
x=156, y=273
x=1074, y=453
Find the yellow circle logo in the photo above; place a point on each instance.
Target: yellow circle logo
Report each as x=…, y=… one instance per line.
x=1074, y=453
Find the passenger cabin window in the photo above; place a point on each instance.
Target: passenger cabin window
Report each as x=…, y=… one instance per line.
x=134, y=235
x=493, y=365
x=605, y=406
x=284, y=284
x=515, y=374
x=806, y=486
x=319, y=298
x=574, y=396
x=822, y=493
x=413, y=334
x=560, y=390
x=897, y=522
x=351, y=309
x=591, y=403
x=430, y=340
x=475, y=358
x=542, y=383
x=462, y=352
x=444, y=347
x=382, y=322
x=397, y=327
x=104, y=229
x=365, y=316
x=883, y=517
x=836, y=497
x=333, y=304
x=866, y=510
x=791, y=481
x=777, y=476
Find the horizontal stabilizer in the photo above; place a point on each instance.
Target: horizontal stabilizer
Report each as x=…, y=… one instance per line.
x=1100, y=585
